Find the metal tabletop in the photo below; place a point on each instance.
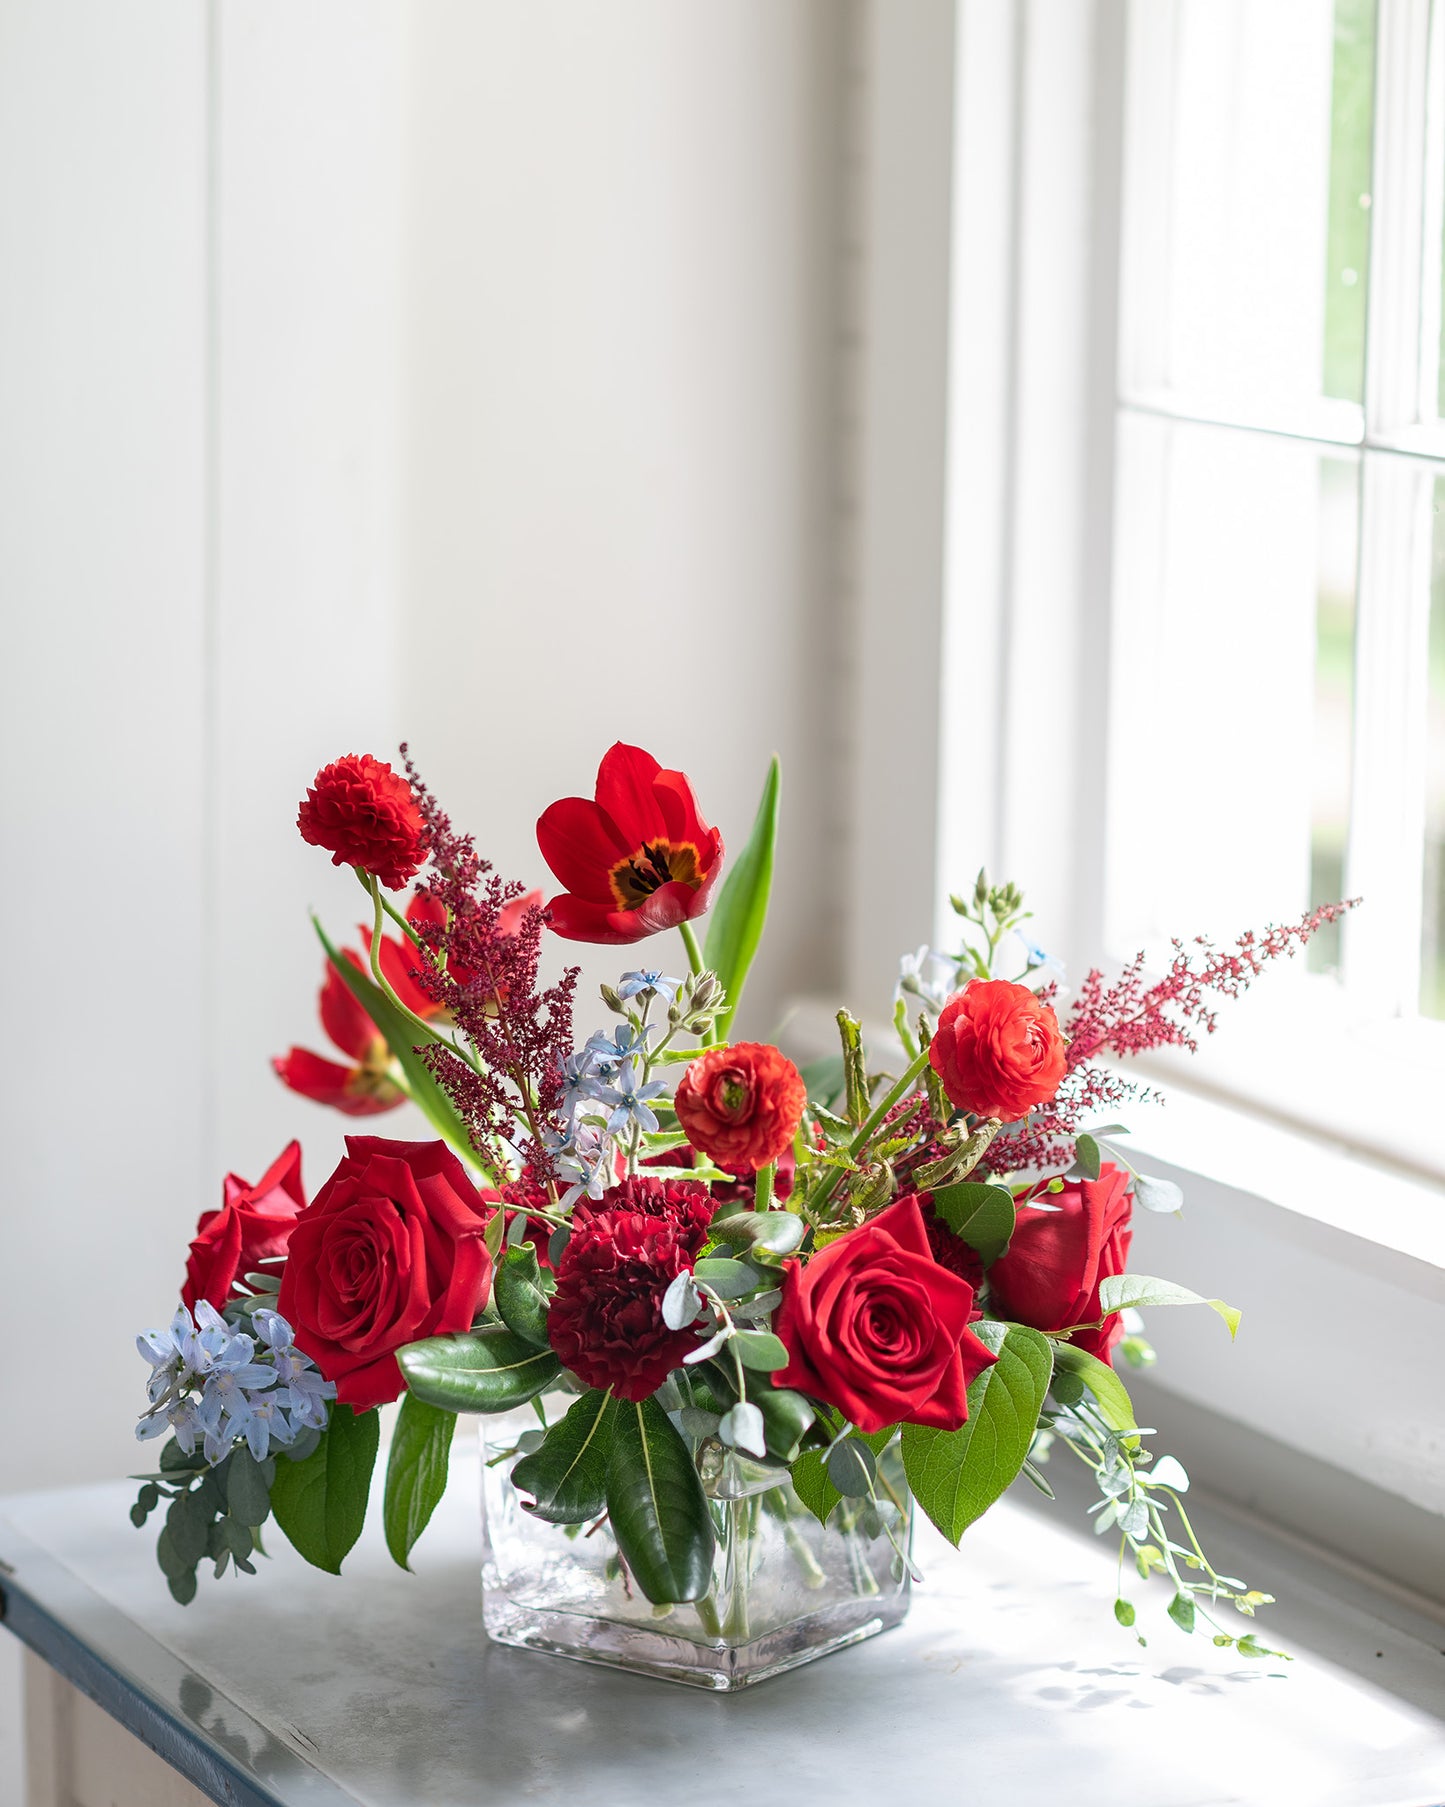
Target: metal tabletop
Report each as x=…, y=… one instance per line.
x=1010, y=1681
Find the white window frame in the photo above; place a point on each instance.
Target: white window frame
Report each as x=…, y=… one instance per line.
x=971, y=435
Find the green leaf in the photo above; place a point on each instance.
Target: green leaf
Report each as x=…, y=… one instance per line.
x=978, y=1214
x=1110, y=1394
x=852, y=1468
x=1123, y=1612
x=1089, y=1157
x=728, y=1279
x=761, y=1349
x=403, y=1038
x=416, y=1473
x=957, y=1475
x=1181, y=1611
x=488, y=1370
x=770, y=1232
x=1157, y=1195
x=521, y=1295
x=1119, y=1291
x=741, y=908
x=658, y=1510
x=812, y=1486
x=248, y=1497
x=321, y=1503
x=567, y=1476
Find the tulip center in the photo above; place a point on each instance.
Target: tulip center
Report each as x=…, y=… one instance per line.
x=654, y=864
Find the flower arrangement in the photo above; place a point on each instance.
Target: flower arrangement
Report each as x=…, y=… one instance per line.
x=706, y=1272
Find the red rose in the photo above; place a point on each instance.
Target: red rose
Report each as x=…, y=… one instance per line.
x=637, y=859
x=253, y=1224
x=390, y=1250
x=1050, y=1275
x=876, y=1327
x=364, y=814
x=605, y=1319
x=998, y=1050
x=741, y=1106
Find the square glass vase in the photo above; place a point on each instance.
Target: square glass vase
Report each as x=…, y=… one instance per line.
x=785, y=1588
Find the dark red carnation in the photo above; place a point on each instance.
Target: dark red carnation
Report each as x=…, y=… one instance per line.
x=687, y=1203
x=389, y=1251
x=364, y=815
x=605, y=1320
x=1049, y=1277
x=876, y=1327
x=253, y=1224
x=998, y=1050
x=741, y=1106
x=635, y=859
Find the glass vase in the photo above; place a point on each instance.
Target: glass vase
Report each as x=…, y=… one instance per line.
x=785, y=1588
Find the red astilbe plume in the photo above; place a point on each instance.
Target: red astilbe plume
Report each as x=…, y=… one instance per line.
x=1132, y=1016
x=484, y=973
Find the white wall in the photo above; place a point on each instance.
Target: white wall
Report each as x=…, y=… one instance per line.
x=457, y=371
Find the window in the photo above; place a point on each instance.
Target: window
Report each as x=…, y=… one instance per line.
x=1277, y=636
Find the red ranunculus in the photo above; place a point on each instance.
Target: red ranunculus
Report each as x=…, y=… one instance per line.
x=389, y=1251
x=605, y=1319
x=741, y=1106
x=253, y=1224
x=876, y=1327
x=363, y=814
x=636, y=860
x=1050, y=1275
x=998, y=1050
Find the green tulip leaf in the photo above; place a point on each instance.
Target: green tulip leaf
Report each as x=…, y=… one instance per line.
x=735, y=926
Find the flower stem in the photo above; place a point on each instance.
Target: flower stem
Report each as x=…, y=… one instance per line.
x=689, y=941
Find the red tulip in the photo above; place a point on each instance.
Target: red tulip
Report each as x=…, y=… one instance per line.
x=361, y=1089
x=636, y=860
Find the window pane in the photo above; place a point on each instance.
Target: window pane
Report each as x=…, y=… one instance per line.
x=1249, y=209
x=1233, y=688
x=1432, y=940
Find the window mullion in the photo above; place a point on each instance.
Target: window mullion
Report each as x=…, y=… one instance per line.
x=1392, y=339
x=1387, y=815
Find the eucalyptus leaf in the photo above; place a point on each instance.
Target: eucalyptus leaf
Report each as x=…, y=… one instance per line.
x=681, y=1303
x=657, y=1507
x=248, y=1497
x=761, y=1349
x=852, y=1467
x=416, y=1473
x=728, y=1279
x=1157, y=1195
x=1088, y=1157
x=489, y=1370
x=770, y=1232
x=741, y=1427
x=957, y=1475
x=741, y=906
x=567, y=1476
x=321, y=1503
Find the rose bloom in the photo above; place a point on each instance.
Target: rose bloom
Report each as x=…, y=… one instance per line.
x=741, y=1106
x=605, y=1319
x=253, y=1224
x=876, y=1327
x=1050, y=1275
x=389, y=1251
x=364, y=815
x=635, y=858
x=998, y=1050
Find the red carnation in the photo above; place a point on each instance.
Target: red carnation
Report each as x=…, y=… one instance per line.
x=741, y=1106
x=998, y=1050
x=253, y=1224
x=636, y=860
x=687, y=1203
x=364, y=815
x=605, y=1320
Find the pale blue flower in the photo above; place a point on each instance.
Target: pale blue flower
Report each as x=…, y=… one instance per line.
x=640, y=984
x=630, y=1101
